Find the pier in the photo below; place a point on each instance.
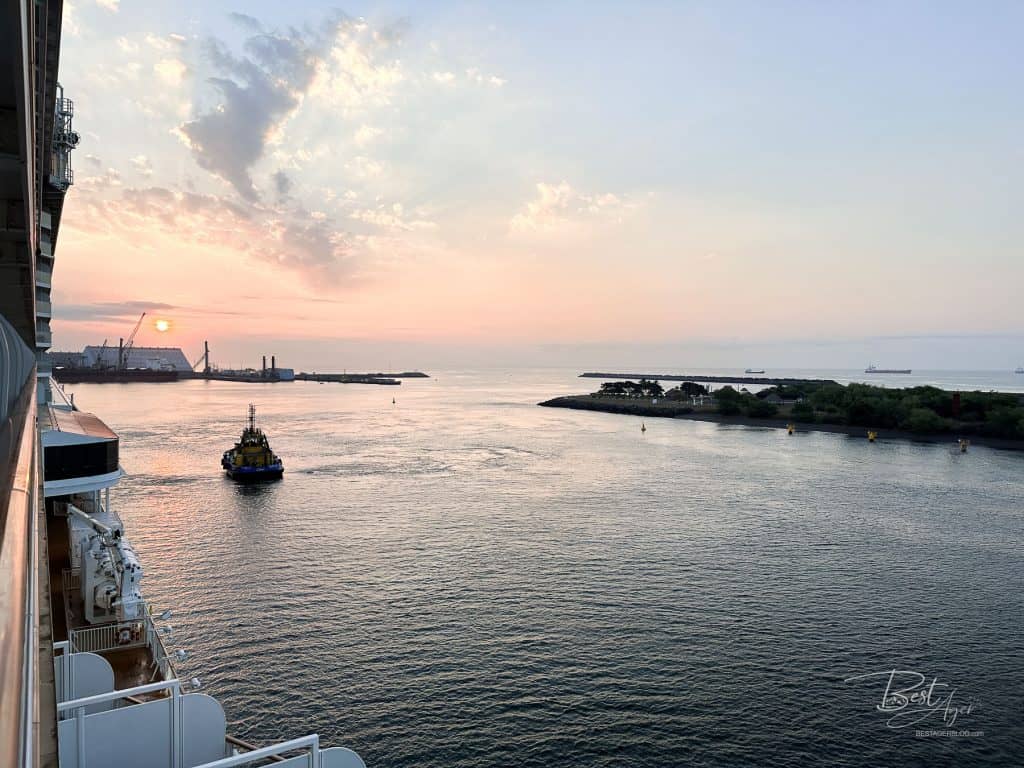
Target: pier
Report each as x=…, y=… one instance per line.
x=387, y=379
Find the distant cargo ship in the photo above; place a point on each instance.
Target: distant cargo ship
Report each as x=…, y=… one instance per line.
x=754, y=370
x=1019, y=370
x=873, y=369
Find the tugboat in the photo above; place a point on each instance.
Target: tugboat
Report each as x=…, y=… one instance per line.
x=251, y=458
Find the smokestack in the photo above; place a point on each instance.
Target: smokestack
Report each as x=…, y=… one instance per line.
x=273, y=364
x=264, y=366
x=206, y=357
x=120, y=353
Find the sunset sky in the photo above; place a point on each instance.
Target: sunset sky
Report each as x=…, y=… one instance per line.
x=433, y=183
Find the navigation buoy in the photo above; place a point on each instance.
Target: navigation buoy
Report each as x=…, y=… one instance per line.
x=790, y=428
x=963, y=445
x=871, y=436
x=392, y=401
x=643, y=427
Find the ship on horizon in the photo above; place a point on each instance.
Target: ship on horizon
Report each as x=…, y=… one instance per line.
x=872, y=368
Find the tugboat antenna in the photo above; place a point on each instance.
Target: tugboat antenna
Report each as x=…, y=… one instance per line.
x=252, y=416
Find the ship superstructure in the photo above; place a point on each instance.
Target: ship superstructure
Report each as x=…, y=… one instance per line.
x=89, y=673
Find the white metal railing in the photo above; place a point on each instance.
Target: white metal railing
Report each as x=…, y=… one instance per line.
x=108, y=637
x=78, y=707
x=310, y=742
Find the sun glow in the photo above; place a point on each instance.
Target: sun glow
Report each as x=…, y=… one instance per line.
x=162, y=325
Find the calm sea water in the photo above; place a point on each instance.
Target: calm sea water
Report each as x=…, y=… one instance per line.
x=464, y=579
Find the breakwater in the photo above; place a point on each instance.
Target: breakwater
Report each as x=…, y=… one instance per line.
x=766, y=380
x=675, y=410
x=351, y=378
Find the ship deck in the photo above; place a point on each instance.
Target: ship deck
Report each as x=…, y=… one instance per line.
x=132, y=666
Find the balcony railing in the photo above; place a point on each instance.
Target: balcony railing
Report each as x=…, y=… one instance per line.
x=18, y=558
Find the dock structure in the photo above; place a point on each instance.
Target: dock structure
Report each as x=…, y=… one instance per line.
x=350, y=378
x=388, y=379
x=765, y=380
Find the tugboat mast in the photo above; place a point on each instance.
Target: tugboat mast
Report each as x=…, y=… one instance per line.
x=252, y=417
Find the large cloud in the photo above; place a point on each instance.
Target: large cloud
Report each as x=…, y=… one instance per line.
x=289, y=236
x=259, y=90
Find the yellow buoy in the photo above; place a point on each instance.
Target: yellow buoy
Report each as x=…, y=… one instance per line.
x=963, y=445
x=790, y=428
x=871, y=436
x=643, y=427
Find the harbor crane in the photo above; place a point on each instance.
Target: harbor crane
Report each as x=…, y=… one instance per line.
x=204, y=358
x=100, y=362
x=126, y=347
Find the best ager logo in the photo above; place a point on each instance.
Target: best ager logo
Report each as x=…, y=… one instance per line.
x=909, y=699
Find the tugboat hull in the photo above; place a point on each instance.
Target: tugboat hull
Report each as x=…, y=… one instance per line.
x=255, y=474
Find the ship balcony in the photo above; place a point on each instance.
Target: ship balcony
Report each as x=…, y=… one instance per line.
x=80, y=453
x=44, y=278
x=44, y=339
x=99, y=724
x=45, y=247
x=44, y=309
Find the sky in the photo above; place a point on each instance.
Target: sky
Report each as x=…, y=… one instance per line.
x=444, y=184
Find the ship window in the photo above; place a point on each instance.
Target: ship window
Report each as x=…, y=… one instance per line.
x=65, y=461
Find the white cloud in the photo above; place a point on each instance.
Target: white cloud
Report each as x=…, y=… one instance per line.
x=166, y=43
x=127, y=45
x=171, y=71
x=559, y=206
x=391, y=218
x=359, y=70
x=445, y=78
x=69, y=19
x=364, y=167
x=142, y=165
x=365, y=134
x=109, y=5
x=474, y=75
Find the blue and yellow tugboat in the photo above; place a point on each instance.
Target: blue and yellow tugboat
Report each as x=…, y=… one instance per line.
x=251, y=458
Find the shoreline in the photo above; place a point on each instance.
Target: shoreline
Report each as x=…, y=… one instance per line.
x=674, y=411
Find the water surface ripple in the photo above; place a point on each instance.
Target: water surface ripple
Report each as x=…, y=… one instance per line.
x=464, y=579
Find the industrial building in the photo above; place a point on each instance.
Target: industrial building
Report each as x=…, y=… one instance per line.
x=153, y=358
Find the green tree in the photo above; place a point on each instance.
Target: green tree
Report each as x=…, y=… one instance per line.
x=926, y=420
x=651, y=388
x=1005, y=422
x=803, y=412
x=613, y=388
x=728, y=400
x=761, y=409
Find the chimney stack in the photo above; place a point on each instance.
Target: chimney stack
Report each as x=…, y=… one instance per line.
x=264, y=366
x=273, y=365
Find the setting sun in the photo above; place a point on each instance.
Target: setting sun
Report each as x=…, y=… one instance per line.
x=162, y=325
